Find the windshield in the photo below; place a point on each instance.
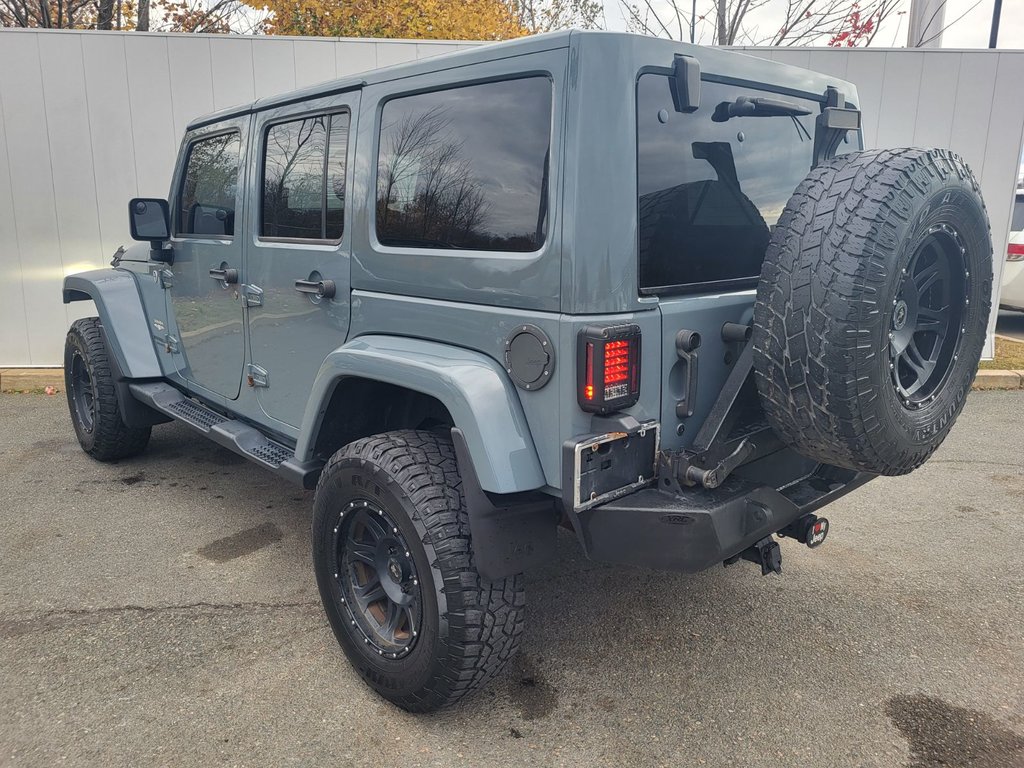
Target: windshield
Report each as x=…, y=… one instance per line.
x=712, y=183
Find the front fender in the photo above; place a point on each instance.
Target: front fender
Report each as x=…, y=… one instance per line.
x=481, y=400
x=124, y=321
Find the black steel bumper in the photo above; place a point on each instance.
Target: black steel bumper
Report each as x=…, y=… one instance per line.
x=698, y=528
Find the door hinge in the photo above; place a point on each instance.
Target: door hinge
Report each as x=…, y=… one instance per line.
x=166, y=278
x=256, y=376
x=253, y=295
x=170, y=344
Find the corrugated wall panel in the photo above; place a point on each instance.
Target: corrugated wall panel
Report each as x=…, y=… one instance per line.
x=314, y=62
x=234, y=81
x=153, y=132
x=273, y=66
x=14, y=343
x=31, y=179
x=90, y=119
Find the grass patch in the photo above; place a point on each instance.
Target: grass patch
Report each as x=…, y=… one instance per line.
x=1009, y=356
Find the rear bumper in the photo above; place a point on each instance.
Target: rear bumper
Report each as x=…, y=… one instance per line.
x=698, y=528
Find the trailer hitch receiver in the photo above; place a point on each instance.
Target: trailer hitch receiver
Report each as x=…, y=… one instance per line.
x=765, y=553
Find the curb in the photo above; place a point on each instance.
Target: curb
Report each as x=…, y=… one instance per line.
x=998, y=380
x=27, y=379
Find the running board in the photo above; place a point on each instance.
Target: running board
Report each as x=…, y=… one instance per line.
x=235, y=435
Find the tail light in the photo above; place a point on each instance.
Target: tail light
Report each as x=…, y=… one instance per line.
x=1015, y=252
x=608, y=367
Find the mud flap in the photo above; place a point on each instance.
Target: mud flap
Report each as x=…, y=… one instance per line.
x=511, y=532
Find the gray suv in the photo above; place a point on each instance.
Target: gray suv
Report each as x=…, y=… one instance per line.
x=651, y=292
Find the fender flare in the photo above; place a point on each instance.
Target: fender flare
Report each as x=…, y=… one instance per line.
x=482, y=402
x=124, y=321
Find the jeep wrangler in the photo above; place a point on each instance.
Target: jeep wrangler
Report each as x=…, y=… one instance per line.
x=656, y=293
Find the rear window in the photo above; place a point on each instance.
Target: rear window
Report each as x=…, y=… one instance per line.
x=711, y=191
x=466, y=167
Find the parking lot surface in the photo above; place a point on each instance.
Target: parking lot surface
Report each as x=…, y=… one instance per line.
x=162, y=611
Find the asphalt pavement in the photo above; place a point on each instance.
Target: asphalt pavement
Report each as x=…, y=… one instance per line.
x=162, y=611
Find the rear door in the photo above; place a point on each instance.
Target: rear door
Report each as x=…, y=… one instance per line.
x=203, y=293
x=710, y=190
x=297, y=254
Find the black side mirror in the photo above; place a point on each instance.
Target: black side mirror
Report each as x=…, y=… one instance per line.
x=150, y=220
x=685, y=83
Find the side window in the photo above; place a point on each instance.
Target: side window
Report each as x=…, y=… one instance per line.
x=206, y=203
x=304, y=179
x=466, y=167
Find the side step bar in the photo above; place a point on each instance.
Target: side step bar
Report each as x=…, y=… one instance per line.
x=236, y=435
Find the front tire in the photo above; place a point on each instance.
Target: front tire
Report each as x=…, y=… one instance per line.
x=394, y=564
x=92, y=396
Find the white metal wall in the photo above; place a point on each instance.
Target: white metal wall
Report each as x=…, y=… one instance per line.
x=91, y=119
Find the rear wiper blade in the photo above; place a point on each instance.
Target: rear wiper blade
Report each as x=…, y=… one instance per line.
x=744, y=106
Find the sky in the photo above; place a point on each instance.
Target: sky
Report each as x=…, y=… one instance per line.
x=970, y=31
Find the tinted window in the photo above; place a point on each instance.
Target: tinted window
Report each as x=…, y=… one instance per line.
x=207, y=199
x=1017, y=223
x=466, y=167
x=304, y=178
x=710, y=192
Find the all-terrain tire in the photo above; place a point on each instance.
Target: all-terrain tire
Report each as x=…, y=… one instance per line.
x=849, y=273
x=92, y=396
x=469, y=628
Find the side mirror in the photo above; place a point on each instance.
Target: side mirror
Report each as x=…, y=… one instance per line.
x=149, y=219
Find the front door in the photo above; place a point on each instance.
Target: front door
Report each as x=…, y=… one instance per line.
x=204, y=293
x=297, y=258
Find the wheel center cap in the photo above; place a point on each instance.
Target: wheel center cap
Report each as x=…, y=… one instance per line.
x=395, y=570
x=899, y=315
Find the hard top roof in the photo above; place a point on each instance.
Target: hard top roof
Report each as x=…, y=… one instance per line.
x=660, y=50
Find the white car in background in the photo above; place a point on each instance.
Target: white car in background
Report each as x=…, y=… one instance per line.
x=1012, y=294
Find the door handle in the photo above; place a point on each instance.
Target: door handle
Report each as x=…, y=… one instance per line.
x=224, y=275
x=324, y=289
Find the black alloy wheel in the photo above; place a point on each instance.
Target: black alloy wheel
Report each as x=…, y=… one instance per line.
x=82, y=393
x=91, y=389
x=927, y=316
x=394, y=562
x=377, y=579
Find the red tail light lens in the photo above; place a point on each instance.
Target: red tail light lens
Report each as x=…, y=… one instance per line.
x=1015, y=252
x=609, y=367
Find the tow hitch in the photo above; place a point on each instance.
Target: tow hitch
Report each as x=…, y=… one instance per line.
x=765, y=553
x=808, y=529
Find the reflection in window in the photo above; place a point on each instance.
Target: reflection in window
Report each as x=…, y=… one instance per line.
x=709, y=191
x=466, y=167
x=207, y=200
x=304, y=179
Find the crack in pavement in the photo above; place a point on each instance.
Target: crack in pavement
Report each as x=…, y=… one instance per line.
x=16, y=623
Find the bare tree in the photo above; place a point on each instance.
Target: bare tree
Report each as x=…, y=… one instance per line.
x=735, y=22
x=538, y=16
x=47, y=14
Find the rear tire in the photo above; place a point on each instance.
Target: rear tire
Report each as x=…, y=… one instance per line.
x=872, y=308
x=92, y=396
x=394, y=563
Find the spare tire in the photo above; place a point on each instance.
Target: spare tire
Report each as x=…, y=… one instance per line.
x=872, y=308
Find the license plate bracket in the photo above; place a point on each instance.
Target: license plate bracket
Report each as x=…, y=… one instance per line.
x=610, y=465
